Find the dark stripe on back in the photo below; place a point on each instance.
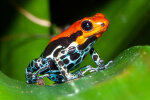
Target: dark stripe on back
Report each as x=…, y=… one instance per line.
x=64, y=41
x=87, y=42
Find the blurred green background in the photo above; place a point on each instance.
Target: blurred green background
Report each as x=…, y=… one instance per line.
x=27, y=26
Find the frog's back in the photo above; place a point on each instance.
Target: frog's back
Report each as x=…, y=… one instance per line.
x=57, y=45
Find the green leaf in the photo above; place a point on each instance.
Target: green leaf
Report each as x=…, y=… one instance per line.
x=26, y=38
x=126, y=78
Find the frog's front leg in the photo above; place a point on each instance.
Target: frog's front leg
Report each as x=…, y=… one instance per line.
x=98, y=61
x=64, y=71
x=61, y=66
x=85, y=69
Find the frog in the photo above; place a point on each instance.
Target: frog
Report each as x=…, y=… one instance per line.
x=66, y=51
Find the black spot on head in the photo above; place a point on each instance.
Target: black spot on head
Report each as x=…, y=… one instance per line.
x=95, y=57
x=66, y=61
x=74, y=56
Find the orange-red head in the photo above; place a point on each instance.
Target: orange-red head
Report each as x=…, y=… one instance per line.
x=95, y=25
x=90, y=26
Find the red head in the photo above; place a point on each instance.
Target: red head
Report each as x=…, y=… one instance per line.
x=90, y=26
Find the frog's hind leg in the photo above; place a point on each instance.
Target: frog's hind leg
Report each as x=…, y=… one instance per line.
x=30, y=71
x=35, y=68
x=56, y=78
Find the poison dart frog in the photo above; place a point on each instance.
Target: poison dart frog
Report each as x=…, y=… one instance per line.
x=67, y=50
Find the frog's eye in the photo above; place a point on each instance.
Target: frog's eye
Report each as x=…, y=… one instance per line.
x=86, y=25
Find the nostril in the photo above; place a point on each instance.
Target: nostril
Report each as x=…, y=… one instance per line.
x=102, y=24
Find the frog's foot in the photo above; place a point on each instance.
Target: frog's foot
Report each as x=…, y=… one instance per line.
x=30, y=78
x=81, y=72
x=71, y=77
x=40, y=82
x=89, y=68
x=102, y=67
x=107, y=65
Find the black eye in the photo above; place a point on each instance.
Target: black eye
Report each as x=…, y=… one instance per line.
x=86, y=25
x=102, y=24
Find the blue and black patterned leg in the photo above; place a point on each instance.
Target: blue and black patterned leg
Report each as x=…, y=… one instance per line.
x=64, y=71
x=30, y=77
x=81, y=72
x=34, y=69
x=61, y=66
x=89, y=68
x=99, y=62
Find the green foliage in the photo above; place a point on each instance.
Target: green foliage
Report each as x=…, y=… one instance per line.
x=24, y=40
